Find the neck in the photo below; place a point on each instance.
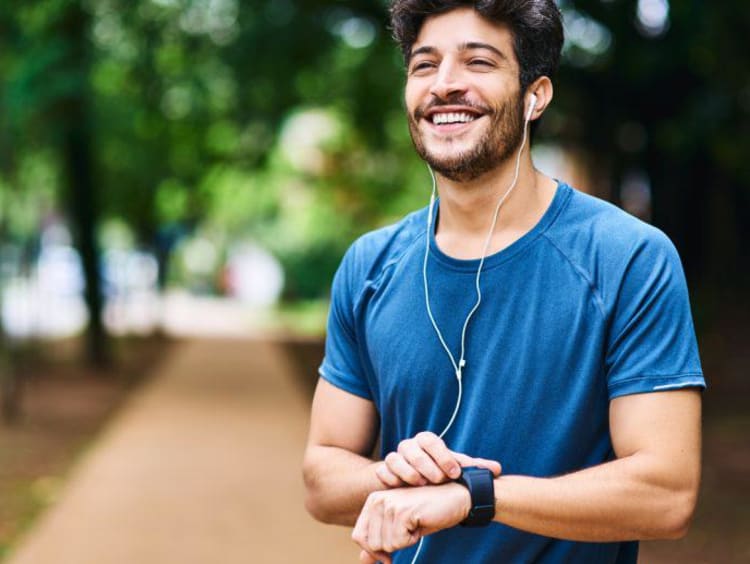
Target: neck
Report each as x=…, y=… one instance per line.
x=467, y=208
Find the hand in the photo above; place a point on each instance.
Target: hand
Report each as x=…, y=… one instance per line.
x=425, y=459
x=394, y=519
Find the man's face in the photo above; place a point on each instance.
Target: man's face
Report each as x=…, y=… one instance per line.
x=462, y=96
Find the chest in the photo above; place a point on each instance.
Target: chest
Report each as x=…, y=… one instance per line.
x=533, y=347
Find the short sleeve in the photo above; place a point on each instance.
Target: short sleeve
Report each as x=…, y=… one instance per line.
x=651, y=344
x=342, y=364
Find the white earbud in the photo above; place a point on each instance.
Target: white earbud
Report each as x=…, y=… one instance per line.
x=532, y=105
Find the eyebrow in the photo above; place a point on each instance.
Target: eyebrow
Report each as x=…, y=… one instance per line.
x=428, y=50
x=479, y=45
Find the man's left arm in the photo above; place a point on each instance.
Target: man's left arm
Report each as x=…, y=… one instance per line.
x=648, y=492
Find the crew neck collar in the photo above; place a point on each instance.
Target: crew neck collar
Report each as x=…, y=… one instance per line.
x=562, y=192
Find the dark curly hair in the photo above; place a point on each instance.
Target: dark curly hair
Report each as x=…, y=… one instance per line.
x=536, y=26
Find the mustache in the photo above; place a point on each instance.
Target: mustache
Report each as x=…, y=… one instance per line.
x=420, y=111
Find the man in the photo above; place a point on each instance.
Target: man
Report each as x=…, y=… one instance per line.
x=576, y=367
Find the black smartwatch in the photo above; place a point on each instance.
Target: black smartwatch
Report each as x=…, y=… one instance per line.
x=481, y=486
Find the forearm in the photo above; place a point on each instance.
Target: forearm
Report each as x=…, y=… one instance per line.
x=634, y=497
x=337, y=483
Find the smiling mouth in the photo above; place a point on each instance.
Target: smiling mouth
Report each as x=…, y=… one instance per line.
x=444, y=118
x=451, y=117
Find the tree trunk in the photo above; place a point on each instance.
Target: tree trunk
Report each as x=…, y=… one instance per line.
x=10, y=389
x=79, y=174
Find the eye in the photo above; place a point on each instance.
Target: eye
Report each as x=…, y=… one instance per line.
x=481, y=63
x=421, y=66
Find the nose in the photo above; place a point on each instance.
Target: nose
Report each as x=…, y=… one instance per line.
x=448, y=81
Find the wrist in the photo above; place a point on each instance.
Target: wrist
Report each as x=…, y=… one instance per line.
x=462, y=497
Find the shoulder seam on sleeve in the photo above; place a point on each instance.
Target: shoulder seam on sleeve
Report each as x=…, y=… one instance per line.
x=374, y=282
x=582, y=273
x=400, y=255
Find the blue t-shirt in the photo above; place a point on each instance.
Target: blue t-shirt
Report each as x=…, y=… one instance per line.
x=589, y=305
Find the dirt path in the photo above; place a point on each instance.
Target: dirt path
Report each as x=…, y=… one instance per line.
x=201, y=465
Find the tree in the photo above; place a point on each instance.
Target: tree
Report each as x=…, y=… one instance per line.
x=167, y=115
x=665, y=91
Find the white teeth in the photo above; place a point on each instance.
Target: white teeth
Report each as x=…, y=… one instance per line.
x=452, y=117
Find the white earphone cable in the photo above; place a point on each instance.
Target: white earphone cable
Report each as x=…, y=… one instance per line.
x=458, y=366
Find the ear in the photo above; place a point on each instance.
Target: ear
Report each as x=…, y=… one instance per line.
x=542, y=89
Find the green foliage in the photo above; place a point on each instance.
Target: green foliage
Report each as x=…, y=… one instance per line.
x=194, y=108
x=31, y=197
x=673, y=101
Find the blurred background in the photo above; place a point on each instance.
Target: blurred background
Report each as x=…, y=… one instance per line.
x=178, y=182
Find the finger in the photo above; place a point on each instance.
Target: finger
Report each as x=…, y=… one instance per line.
x=389, y=526
x=374, y=529
x=400, y=531
x=387, y=477
x=398, y=465
x=445, y=458
x=422, y=462
x=492, y=465
x=412, y=531
x=359, y=532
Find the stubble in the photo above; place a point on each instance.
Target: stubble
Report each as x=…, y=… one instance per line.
x=498, y=142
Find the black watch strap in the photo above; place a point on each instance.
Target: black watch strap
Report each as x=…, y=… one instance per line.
x=481, y=486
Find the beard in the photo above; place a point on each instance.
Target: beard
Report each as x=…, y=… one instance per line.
x=497, y=143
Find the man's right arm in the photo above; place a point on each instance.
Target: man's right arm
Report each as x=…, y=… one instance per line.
x=338, y=473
